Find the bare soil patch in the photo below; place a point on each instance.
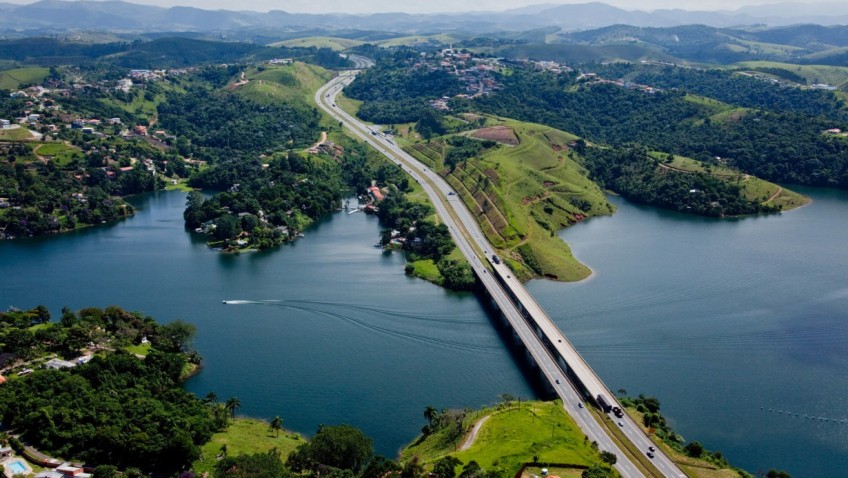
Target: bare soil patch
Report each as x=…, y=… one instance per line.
x=500, y=134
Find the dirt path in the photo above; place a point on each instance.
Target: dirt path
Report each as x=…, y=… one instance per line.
x=775, y=195
x=314, y=148
x=469, y=440
x=35, y=152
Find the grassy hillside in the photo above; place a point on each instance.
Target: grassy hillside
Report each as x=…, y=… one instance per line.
x=245, y=436
x=13, y=79
x=753, y=189
x=441, y=39
x=296, y=82
x=511, y=436
x=832, y=75
x=15, y=134
x=338, y=44
x=523, y=193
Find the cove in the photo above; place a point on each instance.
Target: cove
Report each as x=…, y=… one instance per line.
x=325, y=330
x=738, y=326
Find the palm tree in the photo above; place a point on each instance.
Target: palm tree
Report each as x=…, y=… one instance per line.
x=232, y=404
x=277, y=425
x=211, y=397
x=430, y=414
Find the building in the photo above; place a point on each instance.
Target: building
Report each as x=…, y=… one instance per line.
x=66, y=470
x=376, y=193
x=58, y=364
x=5, y=124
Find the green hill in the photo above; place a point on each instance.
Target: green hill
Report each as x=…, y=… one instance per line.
x=511, y=435
x=13, y=79
x=338, y=44
x=523, y=186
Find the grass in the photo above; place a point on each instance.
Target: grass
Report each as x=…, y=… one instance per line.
x=13, y=79
x=426, y=269
x=532, y=471
x=833, y=75
x=334, y=43
x=753, y=188
x=523, y=195
x=245, y=436
x=182, y=185
x=511, y=437
x=296, y=82
x=440, y=39
x=139, y=349
x=349, y=105
x=16, y=134
x=61, y=153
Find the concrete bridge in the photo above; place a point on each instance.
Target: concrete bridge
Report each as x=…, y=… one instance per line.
x=546, y=347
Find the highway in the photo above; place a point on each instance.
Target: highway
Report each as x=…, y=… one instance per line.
x=474, y=246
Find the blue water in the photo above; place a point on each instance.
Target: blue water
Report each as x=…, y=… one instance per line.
x=329, y=329
x=722, y=320
x=17, y=467
x=717, y=318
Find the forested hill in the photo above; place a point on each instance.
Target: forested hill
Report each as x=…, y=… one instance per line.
x=785, y=145
x=165, y=52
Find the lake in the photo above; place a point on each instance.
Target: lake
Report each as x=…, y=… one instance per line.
x=738, y=326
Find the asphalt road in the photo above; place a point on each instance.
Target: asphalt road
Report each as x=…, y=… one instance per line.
x=473, y=244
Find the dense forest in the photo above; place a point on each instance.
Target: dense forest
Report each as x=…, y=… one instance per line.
x=734, y=88
x=219, y=124
x=158, y=53
x=42, y=198
x=396, y=89
x=116, y=409
x=634, y=174
x=268, y=204
x=782, y=146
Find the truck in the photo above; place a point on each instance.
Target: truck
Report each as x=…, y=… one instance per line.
x=605, y=406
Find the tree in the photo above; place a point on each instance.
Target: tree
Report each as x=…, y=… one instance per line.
x=210, y=397
x=258, y=465
x=777, y=474
x=232, y=405
x=175, y=336
x=412, y=469
x=339, y=446
x=694, y=449
x=430, y=414
x=470, y=470
x=609, y=457
x=105, y=471
x=379, y=467
x=276, y=425
x=596, y=471
x=446, y=467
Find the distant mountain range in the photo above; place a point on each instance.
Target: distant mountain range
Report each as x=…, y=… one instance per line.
x=56, y=16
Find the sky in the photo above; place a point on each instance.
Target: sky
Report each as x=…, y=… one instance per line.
x=429, y=6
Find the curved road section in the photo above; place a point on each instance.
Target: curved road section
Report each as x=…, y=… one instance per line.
x=473, y=244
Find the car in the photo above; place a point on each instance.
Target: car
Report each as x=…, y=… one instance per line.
x=580, y=405
x=451, y=193
x=650, y=455
x=557, y=380
x=621, y=424
x=650, y=448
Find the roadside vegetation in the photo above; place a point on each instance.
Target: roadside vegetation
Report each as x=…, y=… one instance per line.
x=522, y=182
x=102, y=404
x=692, y=457
x=512, y=434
